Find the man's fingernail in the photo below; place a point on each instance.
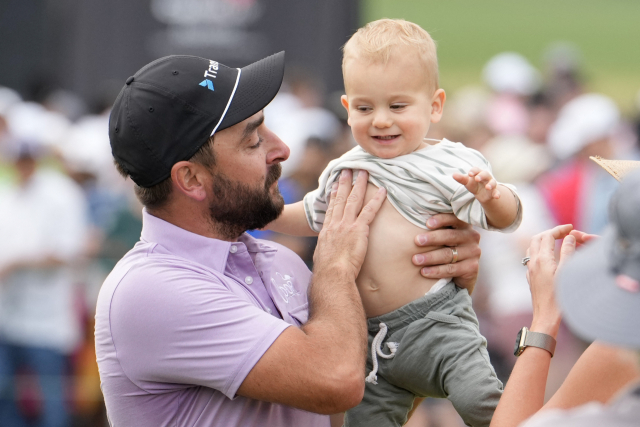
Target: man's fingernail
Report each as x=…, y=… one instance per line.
x=422, y=239
x=426, y=271
x=419, y=259
x=431, y=223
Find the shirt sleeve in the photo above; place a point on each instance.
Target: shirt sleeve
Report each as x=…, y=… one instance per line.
x=316, y=202
x=188, y=328
x=315, y=207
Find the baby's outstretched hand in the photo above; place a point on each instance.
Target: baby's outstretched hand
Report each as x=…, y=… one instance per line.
x=480, y=183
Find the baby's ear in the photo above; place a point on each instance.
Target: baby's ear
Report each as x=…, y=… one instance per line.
x=437, y=105
x=345, y=103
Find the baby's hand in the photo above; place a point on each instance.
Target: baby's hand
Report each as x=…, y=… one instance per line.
x=480, y=183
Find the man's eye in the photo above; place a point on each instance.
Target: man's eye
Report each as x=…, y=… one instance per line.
x=257, y=144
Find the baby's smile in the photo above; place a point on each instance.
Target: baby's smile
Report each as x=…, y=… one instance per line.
x=385, y=137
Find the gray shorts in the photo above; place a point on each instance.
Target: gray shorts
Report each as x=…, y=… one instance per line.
x=440, y=353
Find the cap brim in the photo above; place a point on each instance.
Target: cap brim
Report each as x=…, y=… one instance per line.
x=592, y=304
x=259, y=83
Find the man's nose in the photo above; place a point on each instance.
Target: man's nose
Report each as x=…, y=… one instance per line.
x=278, y=150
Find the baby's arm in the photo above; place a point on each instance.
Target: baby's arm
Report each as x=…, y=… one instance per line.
x=499, y=203
x=292, y=221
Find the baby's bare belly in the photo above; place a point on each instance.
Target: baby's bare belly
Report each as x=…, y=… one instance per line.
x=388, y=279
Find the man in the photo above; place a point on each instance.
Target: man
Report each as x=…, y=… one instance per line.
x=192, y=325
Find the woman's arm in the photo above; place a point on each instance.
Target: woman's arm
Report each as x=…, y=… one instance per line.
x=600, y=372
x=524, y=393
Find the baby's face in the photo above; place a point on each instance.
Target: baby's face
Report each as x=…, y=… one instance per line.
x=391, y=106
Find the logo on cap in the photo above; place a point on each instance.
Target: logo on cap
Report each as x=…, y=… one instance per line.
x=207, y=83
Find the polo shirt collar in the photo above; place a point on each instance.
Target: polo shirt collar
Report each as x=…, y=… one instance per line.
x=207, y=251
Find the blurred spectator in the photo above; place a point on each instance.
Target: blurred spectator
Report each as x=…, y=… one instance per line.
x=578, y=190
x=66, y=103
x=541, y=117
x=30, y=121
x=563, y=75
x=43, y=229
x=297, y=114
x=466, y=118
x=8, y=98
x=513, y=79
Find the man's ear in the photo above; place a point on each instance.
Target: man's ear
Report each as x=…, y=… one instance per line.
x=190, y=179
x=345, y=103
x=437, y=105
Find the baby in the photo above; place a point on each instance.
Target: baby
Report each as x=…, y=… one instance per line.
x=433, y=345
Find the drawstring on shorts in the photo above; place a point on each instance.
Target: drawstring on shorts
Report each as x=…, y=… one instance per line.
x=376, y=350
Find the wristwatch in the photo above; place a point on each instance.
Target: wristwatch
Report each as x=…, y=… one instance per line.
x=526, y=338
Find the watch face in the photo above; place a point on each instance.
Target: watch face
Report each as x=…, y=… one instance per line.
x=516, y=350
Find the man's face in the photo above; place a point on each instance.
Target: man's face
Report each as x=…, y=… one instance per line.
x=245, y=192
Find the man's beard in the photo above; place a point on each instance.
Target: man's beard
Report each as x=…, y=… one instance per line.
x=238, y=207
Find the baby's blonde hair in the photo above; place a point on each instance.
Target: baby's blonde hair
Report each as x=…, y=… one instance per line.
x=376, y=40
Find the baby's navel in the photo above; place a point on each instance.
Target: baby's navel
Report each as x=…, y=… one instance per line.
x=368, y=285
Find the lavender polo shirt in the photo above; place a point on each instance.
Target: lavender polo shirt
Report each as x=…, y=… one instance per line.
x=182, y=319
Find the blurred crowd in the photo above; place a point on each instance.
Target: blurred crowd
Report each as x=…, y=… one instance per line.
x=66, y=216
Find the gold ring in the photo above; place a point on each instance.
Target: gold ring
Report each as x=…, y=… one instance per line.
x=454, y=253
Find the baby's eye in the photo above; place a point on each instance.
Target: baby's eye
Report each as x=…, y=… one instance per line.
x=397, y=106
x=363, y=108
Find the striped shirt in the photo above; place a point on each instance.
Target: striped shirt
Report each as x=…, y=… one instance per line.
x=419, y=185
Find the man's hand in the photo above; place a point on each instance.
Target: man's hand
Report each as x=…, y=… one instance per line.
x=320, y=367
x=344, y=238
x=437, y=263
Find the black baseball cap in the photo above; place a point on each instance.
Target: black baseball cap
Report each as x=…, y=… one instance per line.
x=169, y=108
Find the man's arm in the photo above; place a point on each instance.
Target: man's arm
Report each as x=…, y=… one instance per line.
x=320, y=367
x=448, y=230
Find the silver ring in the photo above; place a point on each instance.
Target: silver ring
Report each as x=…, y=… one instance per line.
x=525, y=260
x=454, y=253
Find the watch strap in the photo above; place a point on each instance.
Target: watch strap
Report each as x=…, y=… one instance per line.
x=538, y=339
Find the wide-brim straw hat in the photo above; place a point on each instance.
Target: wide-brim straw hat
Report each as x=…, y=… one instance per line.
x=617, y=168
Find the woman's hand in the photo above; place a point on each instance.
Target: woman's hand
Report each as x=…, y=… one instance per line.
x=582, y=237
x=541, y=271
x=448, y=230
